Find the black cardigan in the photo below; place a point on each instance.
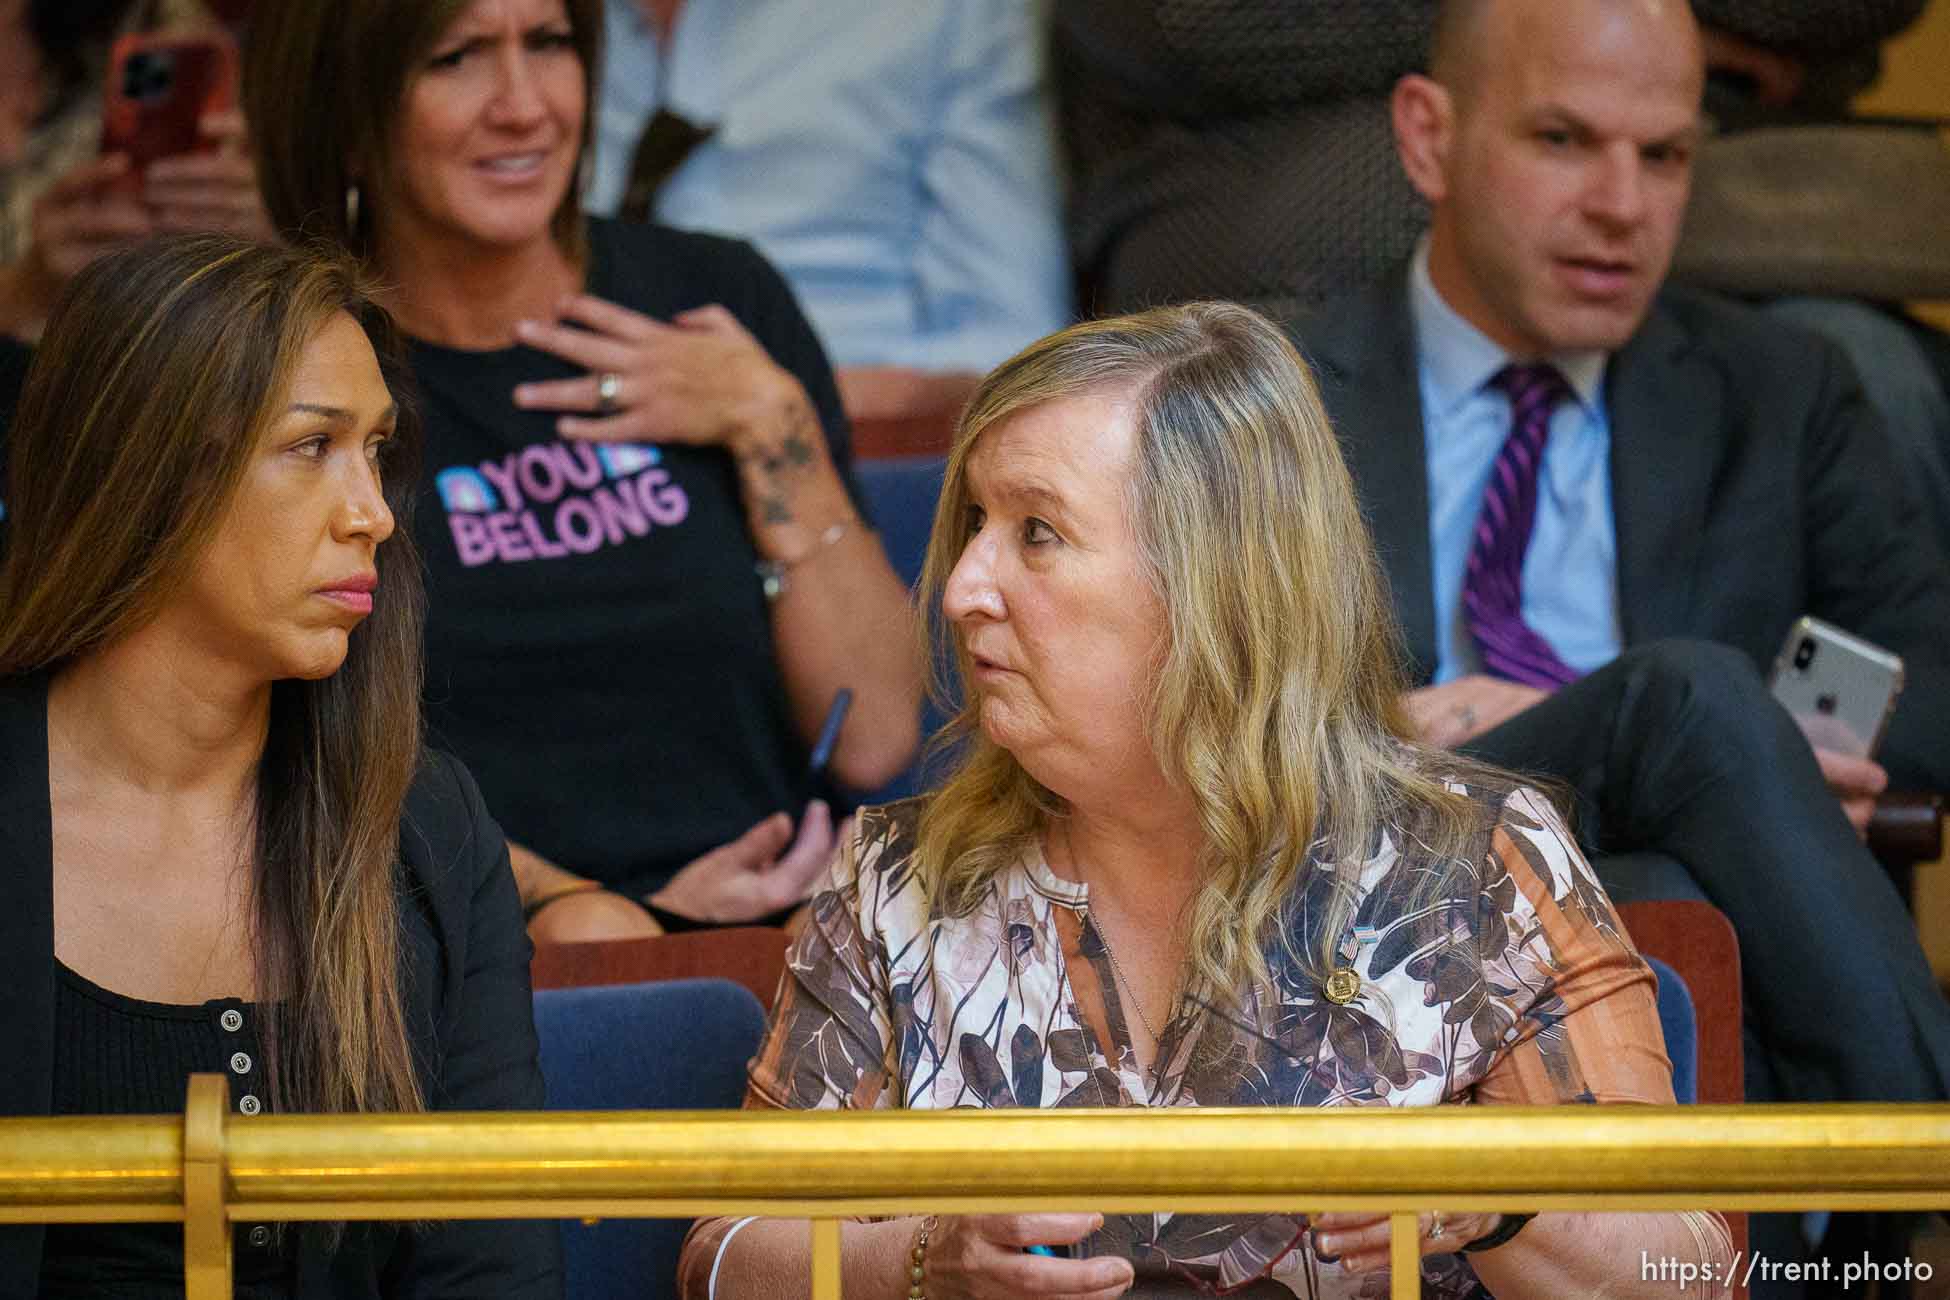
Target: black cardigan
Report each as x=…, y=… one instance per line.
x=469, y=1013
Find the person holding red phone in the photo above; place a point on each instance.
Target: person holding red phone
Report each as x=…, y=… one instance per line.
x=65, y=198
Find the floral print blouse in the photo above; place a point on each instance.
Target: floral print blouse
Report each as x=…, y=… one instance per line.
x=1520, y=987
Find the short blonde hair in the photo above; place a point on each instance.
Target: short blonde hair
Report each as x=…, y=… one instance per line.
x=1278, y=703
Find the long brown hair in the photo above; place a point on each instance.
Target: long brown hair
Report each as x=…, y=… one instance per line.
x=143, y=407
x=1277, y=706
x=323, y=84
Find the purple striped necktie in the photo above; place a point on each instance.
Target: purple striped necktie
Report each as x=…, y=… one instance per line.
x=1492, y=592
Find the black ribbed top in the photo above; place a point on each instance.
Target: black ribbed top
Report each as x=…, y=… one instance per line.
x=116, y=1055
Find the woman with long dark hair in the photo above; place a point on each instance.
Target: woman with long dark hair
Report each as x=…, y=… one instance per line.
x=226, y=848
x=649, y=578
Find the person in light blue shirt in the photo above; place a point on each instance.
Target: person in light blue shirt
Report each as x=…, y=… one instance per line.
x=1570, y=572
x=895, y=162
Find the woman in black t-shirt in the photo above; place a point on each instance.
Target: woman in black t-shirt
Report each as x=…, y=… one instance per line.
x=648, y=579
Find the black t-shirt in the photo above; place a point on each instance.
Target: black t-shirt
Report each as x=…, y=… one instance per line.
x=599, y=649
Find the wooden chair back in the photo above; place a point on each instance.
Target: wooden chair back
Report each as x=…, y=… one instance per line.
x=1697, y=941
x=751, y=955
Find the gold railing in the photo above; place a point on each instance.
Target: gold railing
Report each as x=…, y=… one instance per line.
x=208, y=1168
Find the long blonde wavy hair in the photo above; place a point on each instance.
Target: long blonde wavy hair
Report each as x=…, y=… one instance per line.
x=1278, y=703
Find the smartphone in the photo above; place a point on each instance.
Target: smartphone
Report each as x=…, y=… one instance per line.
x=159, y=88
x=1840, y=688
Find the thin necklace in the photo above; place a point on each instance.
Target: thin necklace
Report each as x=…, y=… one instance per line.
x=1116, y=968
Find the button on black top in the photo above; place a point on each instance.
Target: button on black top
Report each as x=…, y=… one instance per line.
x=116, y=1055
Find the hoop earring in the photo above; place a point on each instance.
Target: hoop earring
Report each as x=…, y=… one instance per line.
x=352, y=207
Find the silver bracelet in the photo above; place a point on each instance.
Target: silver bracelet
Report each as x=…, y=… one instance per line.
x=717, y=1262
x=772, y=573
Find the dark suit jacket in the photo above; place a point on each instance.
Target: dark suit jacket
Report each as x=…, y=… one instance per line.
x=1751, y=484
x=469, y=1011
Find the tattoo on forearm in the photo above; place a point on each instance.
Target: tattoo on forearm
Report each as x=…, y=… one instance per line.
x=784, y=466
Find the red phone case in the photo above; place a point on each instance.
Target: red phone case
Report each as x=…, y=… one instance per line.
x=159, y=88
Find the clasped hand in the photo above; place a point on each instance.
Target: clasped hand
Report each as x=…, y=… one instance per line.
x=1360, y=1241
x=983, y=1257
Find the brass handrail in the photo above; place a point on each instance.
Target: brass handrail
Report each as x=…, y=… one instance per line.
x=828, y=1166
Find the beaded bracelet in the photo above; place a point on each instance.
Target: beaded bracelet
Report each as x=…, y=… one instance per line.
x=917, y=1259
x=1508, y=1227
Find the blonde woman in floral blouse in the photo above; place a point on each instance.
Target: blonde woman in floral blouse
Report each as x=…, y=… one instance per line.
x=1191, y=857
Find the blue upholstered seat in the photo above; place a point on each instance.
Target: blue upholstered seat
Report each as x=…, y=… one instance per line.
x=672, y=1045
x=900, y=495
x=1681, y=1029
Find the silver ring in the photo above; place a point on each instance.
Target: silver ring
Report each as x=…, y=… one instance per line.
x=1435, y=1225
x=608, y=385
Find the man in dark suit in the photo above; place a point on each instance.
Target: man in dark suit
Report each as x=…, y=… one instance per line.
x=1566, y=464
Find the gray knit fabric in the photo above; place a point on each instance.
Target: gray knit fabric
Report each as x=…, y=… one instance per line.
x=1814, y=29
x=1241, y=148
x=1256, y=53
x=1278, y=214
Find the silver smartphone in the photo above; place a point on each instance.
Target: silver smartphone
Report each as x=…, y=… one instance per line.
x=1840, y=688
